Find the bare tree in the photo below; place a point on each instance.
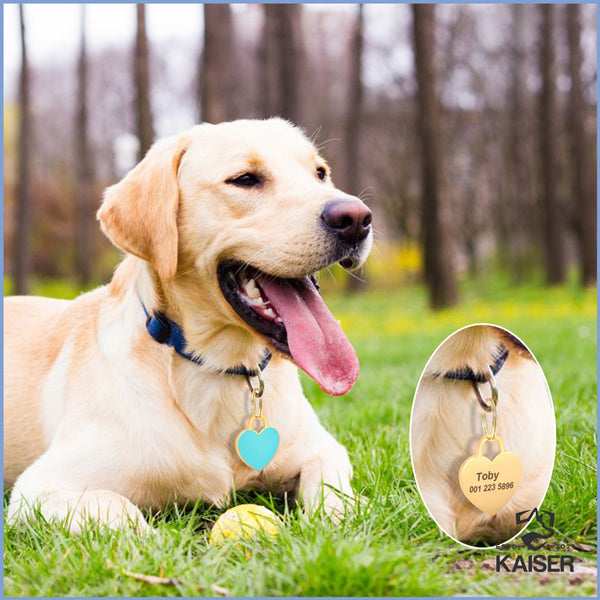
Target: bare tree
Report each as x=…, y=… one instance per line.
x=143, y=111
x=553, y=235
x=22, y=249
x=354, y=118
x=518, y=197
x=439, y=274
x=282, y=61
x=582, y=192
x=354, y=109
x=217, y=80
x=268, y=88
x=84, y=206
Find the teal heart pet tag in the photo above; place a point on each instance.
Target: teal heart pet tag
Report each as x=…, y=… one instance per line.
x=257, y=449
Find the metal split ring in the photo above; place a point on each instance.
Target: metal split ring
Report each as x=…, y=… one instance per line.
x=493, y=401
x=491, y=407
x=257, y=392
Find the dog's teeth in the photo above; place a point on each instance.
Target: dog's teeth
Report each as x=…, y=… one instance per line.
x=259, y=302
x=251, y=289
x=270, y=313
x=278, y=320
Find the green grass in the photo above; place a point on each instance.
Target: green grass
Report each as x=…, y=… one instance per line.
x=51, y=287
x=391, y=546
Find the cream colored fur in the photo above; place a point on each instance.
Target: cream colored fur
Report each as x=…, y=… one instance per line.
x=99, y=419
x=446, y=428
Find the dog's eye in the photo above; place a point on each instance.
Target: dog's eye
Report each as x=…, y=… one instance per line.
x=321, y=173
x=245, y=180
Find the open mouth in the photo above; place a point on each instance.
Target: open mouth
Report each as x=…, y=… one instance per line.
x=293, y=318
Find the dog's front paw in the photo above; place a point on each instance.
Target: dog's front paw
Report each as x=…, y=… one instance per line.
x=325, y=484
x=110, y=509
x=77, y=509
x=338, y=505
x=328, y=502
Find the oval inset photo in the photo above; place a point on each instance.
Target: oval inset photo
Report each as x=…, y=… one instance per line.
x=482, y=435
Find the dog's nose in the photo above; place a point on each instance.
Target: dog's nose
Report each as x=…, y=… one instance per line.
x=349, y=219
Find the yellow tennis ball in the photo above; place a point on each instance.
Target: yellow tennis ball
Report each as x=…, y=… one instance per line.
x=243, y=522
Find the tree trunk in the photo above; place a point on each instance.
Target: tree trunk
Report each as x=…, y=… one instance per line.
x=267, y=54
x=354, y=108
x=553, y=240
x=84, y=207
x=143, y=111
x=354, y=116
x=470, y=225
x=216, y=81
x=519, y=200
x=438, y=269
x=582, y=193
x=282, y=62
x=22, y=250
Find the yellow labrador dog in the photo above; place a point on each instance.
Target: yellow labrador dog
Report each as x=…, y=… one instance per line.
x=446, y=428
x=132, y=395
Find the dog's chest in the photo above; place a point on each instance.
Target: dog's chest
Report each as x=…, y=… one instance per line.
x=188, y=450
x=176, y=466
x=166, y=463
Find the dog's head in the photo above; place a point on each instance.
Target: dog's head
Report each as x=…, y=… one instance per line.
x=247, y=209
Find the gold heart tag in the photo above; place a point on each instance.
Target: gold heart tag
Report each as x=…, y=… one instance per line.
x=490, y=484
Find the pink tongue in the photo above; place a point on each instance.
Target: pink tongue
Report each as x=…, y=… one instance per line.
x=316, y=340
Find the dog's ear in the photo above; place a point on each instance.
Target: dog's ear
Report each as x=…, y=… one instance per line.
x=139, y=214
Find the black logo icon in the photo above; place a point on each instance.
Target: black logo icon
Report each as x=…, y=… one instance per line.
x=535, y=540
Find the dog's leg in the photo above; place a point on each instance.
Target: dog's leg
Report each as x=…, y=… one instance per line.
x=325, y=480
x=58, y=496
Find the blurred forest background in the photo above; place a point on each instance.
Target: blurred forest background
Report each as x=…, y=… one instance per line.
x=470, y=130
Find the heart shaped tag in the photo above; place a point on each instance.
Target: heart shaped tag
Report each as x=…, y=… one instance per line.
x=490, y=484
x=257, y=449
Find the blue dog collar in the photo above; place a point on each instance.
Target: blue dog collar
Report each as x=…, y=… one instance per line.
x=165, y=331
